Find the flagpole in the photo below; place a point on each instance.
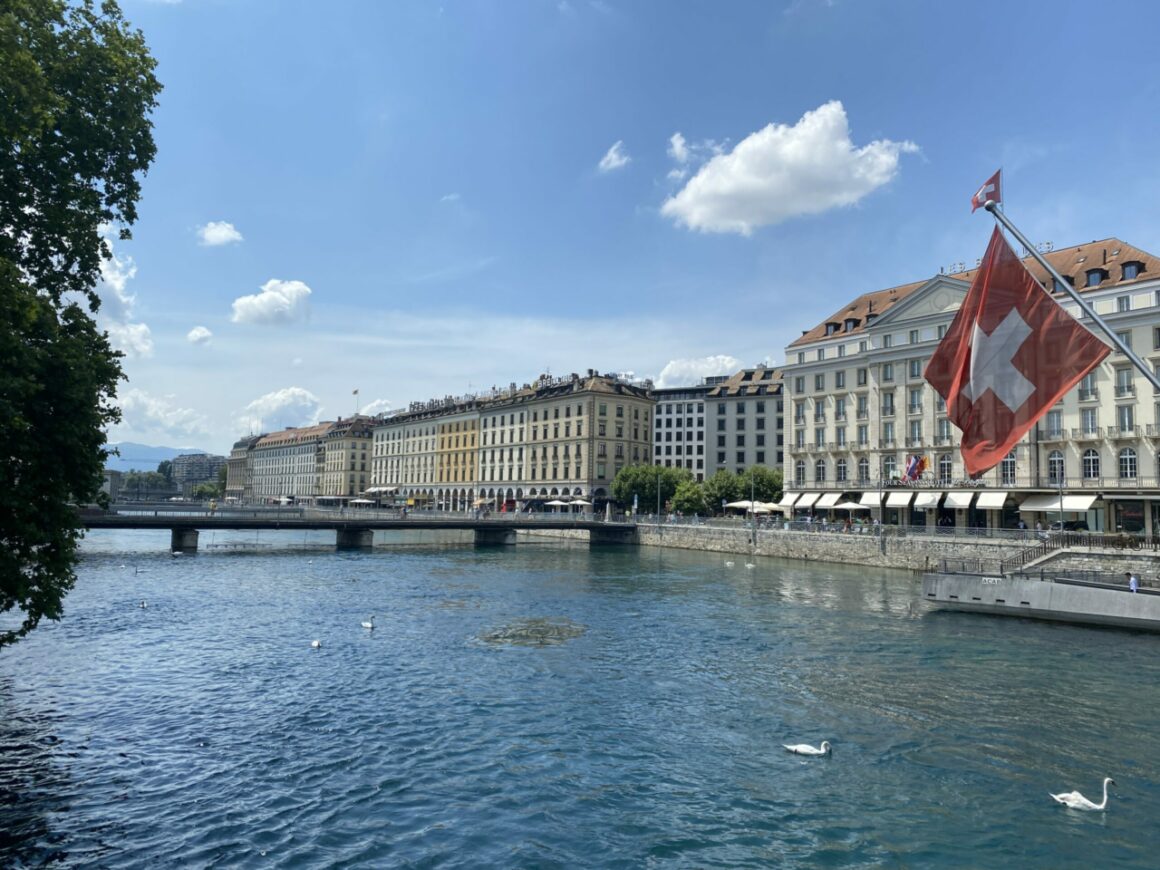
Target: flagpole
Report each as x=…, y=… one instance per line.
x=991, y=206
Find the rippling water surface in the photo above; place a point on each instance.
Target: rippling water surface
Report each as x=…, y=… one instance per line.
x=552, y=706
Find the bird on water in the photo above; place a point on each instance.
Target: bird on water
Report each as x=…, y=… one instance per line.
x=806, y=749
x=316, y=644
x=370, y=623
x=1077, y=801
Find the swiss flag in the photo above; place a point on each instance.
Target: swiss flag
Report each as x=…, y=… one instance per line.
x=989, y=191
x=1010, y=354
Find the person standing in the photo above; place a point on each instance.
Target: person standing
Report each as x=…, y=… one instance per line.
x=1133, y=582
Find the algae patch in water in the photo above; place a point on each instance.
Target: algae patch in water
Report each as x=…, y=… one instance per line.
x=535, y=631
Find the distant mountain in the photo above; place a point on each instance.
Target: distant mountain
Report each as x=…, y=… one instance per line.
x=143, y=457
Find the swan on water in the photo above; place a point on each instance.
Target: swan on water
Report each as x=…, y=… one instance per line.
x=750, y=565
x=1077, y=801
x=806, y=749
x=143, y=604
x=728, y=564
x=370, y=623
x=316, y=644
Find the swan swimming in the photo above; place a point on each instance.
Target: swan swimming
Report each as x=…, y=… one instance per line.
x=1077, y=801
x=143, y=604
x=728, y=564
x=750, y=565
x=316, y=644
x=370, y=623
x=806, y=749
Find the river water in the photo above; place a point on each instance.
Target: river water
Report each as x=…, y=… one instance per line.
x=548, y=705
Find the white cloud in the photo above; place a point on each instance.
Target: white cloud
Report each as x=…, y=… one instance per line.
x=449, y=197
x=678, y=150
x=615, y=158
x=199, y=335
x=688, y=372
x=218, y=233
x=152, y=415
x=279, y=302
x=378, y=406
x=781, y=172
x=292, y=406
x=132, y=339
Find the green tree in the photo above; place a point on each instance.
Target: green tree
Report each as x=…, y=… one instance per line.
x=764, y=483
x=75, y=136
x=724, y=486
x=165, y=469
x=689, y=499
x=642, y=481
x=206, y=491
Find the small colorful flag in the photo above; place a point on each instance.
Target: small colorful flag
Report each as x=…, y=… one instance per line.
x=989, y=191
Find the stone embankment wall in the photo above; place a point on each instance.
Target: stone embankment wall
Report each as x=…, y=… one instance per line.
x=886, y=550
x=1114, y=562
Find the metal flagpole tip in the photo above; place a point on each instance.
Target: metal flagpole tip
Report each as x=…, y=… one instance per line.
x=990, y=205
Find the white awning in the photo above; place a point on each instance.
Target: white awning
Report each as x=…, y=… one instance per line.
x=829, y=499
x=787, y=499
x=927, y=500
x=992, y=500
x=871, y=499
x=899, y=499
x=1049, y=503
x=958, y=499
x=807, y=500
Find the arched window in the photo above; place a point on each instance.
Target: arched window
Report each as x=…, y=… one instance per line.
x=1007, y=469
x=946, y=466
x=820, y=471
x=840, y=471
x=864, y=470
x=799, y=472
x=1091, y=464
x=1055, y=467
x=1127, y=464
x=890, y=466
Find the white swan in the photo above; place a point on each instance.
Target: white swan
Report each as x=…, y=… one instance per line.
x=143, y=604
x=316, y=644
x=370, y=623
x=1077, y=801
x=750, y=565
x=806, y=749
x=728, y=564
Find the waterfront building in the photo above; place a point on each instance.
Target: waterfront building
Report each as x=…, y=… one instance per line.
x=679, y=426
x=285, y=464
x=239, y=470
x=111, y=485
x=861, y=409
x=553, y=439
x=343, y=472
x=745, y=421
x=191, y=469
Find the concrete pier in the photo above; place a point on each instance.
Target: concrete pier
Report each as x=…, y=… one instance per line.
x=183, y=541
x=501, y=537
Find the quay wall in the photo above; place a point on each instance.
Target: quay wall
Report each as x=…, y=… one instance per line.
x=885, y=550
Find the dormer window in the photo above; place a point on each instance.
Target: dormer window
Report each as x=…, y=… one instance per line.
x=1059, y=288
x=870, y=318
x=1132, y=270
x=1095, y=277
x=832, y=327
x=851, y=323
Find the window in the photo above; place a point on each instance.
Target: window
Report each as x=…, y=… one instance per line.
x=1091, y=464
x=840, y=471
x=1095, y=277
x=914, y=368
x=862, y=375
x=1055, y=468
x=821, y=354
x=819, y=411
x=1126, y=417
x=840, y=432
x=942, y=330
x=1089, y=421
x=841, y=350
x=863, y=435
x=1127, y=464
x=863, y=470
x=913, y=336
x=944, y=430
x=840, y=380
x=888, y=404
x=914, y=400
x=799, y=472
x=1123, y=303
x=890, y=467
x=799, y=384
x=801, y=359
x=1126, y=338
x=740, y=440
x=820, y=437
x=887, y=371
x=820, y=471
x=1124, y=386
x=820, y=381
x=888, y=433
x=1131, y=270
x=915, y=433
x=946, y=465
x=720, y=425
x=1087, y=387
x=1007, y=469
x=840, y=408
x=720, y=440
x=799, y=412
x=760, y=409
x=888, y=341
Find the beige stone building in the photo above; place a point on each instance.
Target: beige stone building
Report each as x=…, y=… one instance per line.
x=286, y=465
x=239, y=470
x=859, y=408
x=344, y=467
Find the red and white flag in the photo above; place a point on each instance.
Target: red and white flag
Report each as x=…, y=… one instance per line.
x=989, y=191
x=1010, y=354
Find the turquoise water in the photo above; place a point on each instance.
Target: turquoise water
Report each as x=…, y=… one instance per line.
x=552, y=706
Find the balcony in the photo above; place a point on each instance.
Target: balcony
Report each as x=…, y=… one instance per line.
x=886, y=444
x=1085, y=434
x=1125, y=390
x=863, y=414
x=1089, y=395
x=799, y=421
x=819, y=418
x=1122, y=433
x=888, y=412
x=1153, y=430
x=840, y=416
x=914, y=409
x=1054, y=435
x=943, y=441
x=914, y=442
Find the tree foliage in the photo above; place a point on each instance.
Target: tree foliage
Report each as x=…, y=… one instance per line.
x=724, y=486
x=765, y=484
x=642, y=481
x=689, y=499
x=75, y=136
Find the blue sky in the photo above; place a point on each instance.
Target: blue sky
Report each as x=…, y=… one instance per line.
x=420, y=199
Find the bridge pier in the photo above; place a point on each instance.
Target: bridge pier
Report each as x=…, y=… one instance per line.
x=355, y=539
x=613, y=535
x=494, y=537
x=183, y=540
